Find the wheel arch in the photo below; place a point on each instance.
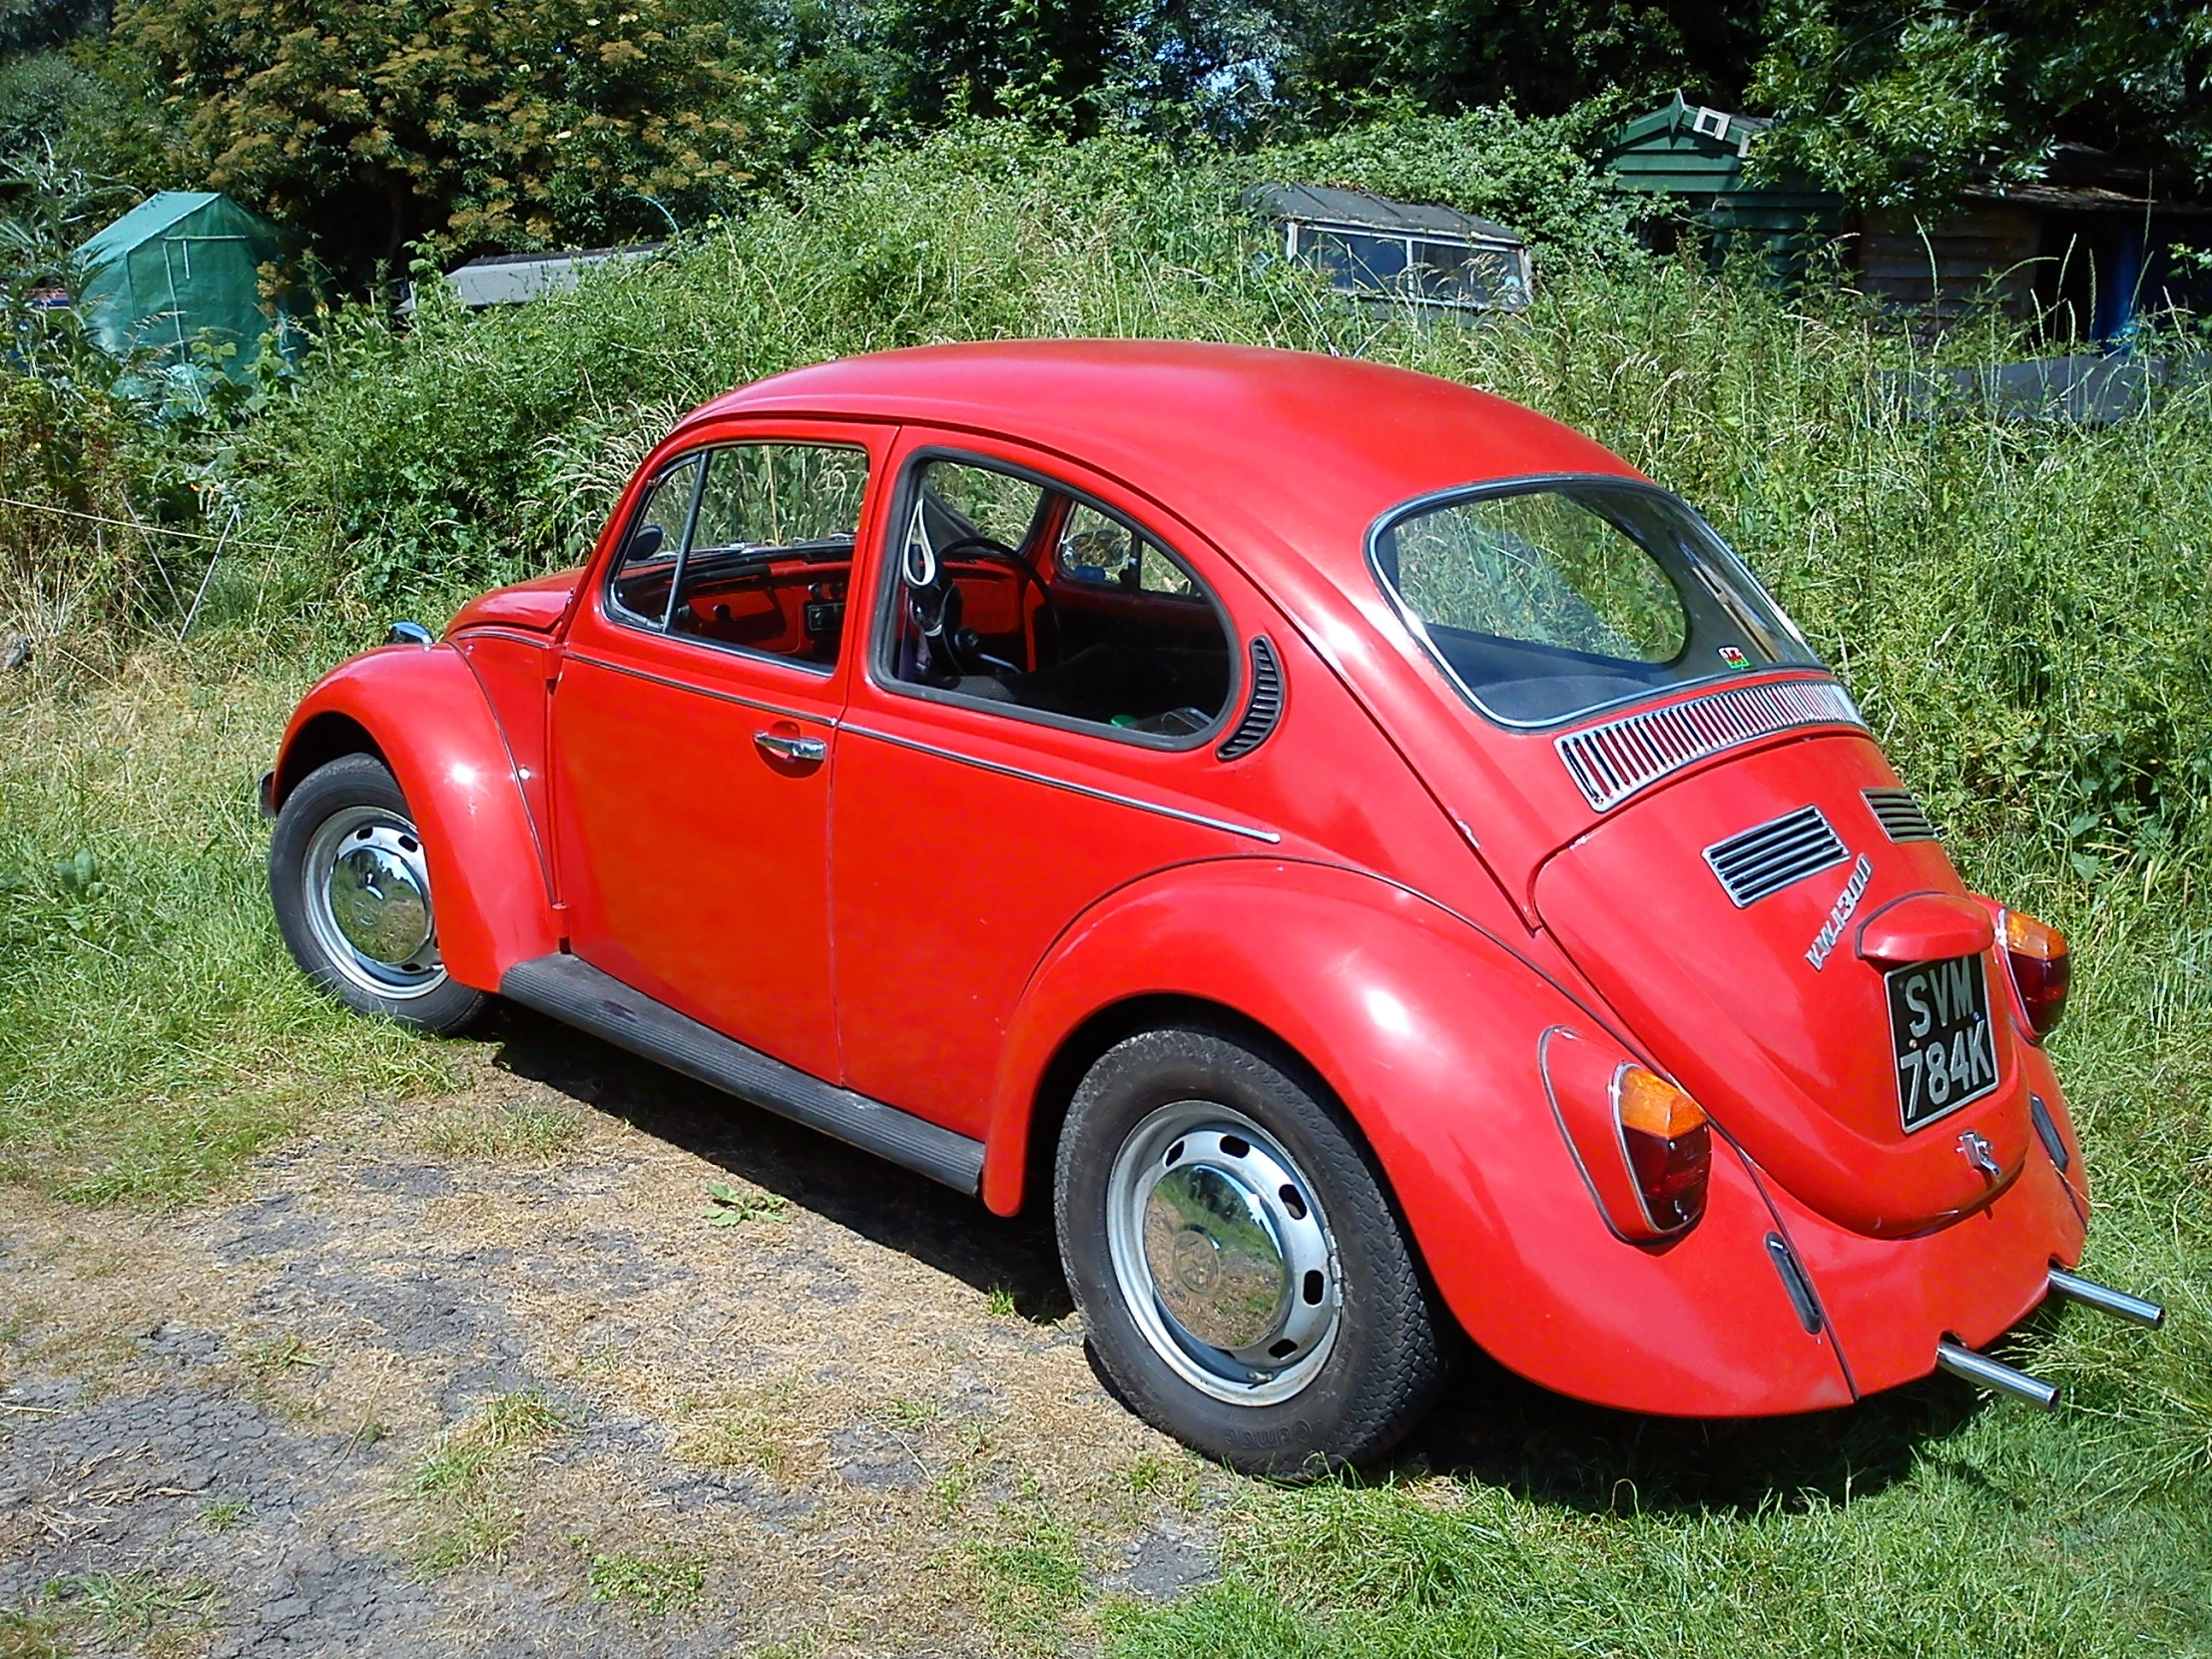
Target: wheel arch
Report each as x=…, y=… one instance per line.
x=326, y=736
x=1081, y=1048
x=421, y=712
x=1426, y=1032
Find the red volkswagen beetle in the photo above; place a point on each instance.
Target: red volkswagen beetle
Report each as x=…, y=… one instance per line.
x=1358, y=852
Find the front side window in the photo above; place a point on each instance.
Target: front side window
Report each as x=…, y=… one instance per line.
x=1014, y=592
x=748, y=546
x=1543, y=602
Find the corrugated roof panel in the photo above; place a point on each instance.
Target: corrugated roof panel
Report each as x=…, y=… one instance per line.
x=1357, y=210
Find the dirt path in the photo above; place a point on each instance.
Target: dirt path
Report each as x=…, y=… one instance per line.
x=499, y=1374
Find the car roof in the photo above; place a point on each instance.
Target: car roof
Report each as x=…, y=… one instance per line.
x=1275, y=455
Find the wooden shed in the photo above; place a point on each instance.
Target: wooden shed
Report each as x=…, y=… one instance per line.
x=1695, y=156
x=2089, y=245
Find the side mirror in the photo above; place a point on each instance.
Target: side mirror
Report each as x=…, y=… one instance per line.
x=645, y=542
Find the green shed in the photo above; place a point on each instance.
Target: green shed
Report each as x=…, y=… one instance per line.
x=1696, y=156
x=181, y=266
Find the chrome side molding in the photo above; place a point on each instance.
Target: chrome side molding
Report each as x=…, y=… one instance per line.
x=1962, y=1361
x=2119, y=1304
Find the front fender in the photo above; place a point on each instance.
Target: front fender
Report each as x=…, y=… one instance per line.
x=1428, y=1032
x=426, y=715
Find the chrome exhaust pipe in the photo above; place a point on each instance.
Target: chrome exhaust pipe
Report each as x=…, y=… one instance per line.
x=2117, y=1303
x=1962, y=1361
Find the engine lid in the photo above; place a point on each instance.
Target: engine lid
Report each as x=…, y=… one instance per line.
x=1829, y=993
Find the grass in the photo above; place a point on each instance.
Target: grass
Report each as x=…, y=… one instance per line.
x=463, y=1482
x=510, y=1131
x=2019, y=609
x=1028, y=1574
x=160, y=1615
x=650, y=1584
x=151, y=1030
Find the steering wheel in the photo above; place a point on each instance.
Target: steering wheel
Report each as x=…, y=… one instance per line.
x=939, y=616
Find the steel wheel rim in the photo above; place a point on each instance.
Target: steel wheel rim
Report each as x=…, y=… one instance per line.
x=1223, y=1257
x=366, y=885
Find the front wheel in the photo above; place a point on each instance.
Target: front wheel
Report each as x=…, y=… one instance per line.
x=1244, y=1280
x=350, y=884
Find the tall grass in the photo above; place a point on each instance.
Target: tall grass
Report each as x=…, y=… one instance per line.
x=2019, y=608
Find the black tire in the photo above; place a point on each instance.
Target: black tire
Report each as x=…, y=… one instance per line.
x=422, y=995
x=1382, y=1365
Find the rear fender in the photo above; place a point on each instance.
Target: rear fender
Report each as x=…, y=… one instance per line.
x=1428, y=1031
x=421, y=710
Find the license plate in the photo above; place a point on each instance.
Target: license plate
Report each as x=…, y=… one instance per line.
x=1939, y=1027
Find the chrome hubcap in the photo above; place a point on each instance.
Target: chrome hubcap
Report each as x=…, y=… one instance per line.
x=1222, y=1254
x=367, y=891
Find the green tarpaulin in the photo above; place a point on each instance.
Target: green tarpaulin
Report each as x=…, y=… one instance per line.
x=181, y=267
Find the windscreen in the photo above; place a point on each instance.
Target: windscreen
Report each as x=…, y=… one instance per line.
x=1546, y=601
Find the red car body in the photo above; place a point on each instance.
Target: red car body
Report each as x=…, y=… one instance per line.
x=1450, y=920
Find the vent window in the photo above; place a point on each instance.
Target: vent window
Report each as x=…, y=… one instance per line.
x=1767, y=859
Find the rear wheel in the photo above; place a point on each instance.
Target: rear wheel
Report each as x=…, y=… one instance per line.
x=351, y=883
x=1244, y=1280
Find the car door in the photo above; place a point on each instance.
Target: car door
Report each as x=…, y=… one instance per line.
x=695, y=732
x=984, y=802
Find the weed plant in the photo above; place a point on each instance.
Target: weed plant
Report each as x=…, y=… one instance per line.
x=2019, y=608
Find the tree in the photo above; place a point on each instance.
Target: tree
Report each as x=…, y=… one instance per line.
x=372, y=124
x=1903, y=105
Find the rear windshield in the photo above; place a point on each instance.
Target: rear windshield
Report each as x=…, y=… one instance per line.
x=1546, y=600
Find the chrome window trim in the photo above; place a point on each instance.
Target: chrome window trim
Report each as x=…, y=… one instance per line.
x=619, y=614
x=883, y=605
x=1528, y=484
x=1159, y=809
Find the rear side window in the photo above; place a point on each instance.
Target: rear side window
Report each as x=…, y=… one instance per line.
x=1011, y=591
x=747, y=547
x=1542, y=601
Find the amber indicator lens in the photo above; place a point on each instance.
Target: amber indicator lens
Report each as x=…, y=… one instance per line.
x=2036, y=954
x=1669, y=1145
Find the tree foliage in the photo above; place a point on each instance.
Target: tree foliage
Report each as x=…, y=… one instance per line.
x=1906, y=104
x=474, y=123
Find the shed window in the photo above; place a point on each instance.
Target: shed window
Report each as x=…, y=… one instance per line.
x=1424, y=269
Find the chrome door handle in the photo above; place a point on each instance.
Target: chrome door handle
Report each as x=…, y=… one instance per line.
x=777, y=746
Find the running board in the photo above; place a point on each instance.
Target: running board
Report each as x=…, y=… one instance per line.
x=571, y=990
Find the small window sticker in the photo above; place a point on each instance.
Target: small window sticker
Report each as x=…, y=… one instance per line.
x=1733, y=656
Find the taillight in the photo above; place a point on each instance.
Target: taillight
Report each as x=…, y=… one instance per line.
x=2035, y=951
x=1669, y=1147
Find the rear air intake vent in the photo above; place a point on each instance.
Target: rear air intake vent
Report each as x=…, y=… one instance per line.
x=1767, y=859
x=1610, y=763
x=1901, y=817
x=1266, y=707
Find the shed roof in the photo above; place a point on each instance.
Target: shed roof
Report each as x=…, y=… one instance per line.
x=510, y=279
x=1357, y=210
x=163, y=210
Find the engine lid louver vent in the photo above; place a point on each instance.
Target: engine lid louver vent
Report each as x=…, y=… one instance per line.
x=1901, y=816
x=1767, y=859
x=1611, y=761
x=1264, y=706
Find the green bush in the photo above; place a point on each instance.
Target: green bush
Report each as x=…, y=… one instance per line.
x=2017, y=606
